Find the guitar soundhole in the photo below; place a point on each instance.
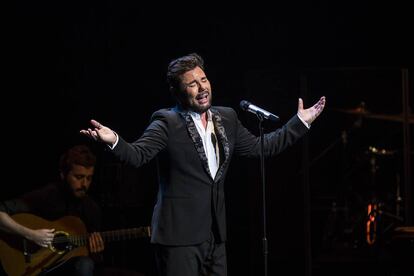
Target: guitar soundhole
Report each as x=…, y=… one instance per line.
x=61, y=242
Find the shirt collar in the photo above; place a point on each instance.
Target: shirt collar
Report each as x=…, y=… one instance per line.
x=197, y=116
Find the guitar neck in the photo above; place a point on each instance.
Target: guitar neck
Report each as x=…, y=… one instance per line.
x=115, y=235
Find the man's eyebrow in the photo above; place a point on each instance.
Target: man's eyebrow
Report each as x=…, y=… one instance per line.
x=188, y=83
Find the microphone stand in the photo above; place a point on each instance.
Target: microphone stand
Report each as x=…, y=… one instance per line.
x=262, y=172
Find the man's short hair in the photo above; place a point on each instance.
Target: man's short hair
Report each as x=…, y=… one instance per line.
x=181, y=65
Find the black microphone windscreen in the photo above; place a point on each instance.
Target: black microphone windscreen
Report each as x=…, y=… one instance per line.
x=213, y=139
x=244, y=105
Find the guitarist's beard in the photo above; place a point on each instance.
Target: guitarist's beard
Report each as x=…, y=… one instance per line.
x=80, y=192
x=72, y=193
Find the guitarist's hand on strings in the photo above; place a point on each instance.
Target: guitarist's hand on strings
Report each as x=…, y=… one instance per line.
x=42, y=237
x=96, y=243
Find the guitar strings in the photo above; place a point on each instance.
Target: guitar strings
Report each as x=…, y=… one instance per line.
x=109, y=234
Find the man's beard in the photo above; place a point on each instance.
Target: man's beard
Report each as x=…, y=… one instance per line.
x=81, y=192
x=199, y=108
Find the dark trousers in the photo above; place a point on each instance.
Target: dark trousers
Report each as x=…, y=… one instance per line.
x=207, y=258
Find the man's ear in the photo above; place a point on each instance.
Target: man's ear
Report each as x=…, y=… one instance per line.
x=62, y=176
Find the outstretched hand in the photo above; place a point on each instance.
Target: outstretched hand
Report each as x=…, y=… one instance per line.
x=100, y=132
x=311, y=113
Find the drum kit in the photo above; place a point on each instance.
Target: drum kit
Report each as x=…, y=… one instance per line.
x=376, y=209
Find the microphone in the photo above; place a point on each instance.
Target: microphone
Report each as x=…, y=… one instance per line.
x=247, y=106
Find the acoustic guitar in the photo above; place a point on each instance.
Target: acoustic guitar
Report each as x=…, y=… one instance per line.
x=23, y=257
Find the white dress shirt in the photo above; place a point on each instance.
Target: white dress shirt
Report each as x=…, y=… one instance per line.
x=209, y=139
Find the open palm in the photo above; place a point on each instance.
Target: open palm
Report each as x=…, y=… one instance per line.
x=311, y=113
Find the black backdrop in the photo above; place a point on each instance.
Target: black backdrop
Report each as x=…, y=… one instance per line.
x=68, y=62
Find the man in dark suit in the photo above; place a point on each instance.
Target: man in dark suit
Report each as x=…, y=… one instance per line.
x=194, y=143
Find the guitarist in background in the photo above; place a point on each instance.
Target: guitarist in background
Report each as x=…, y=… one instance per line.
x=51, y=202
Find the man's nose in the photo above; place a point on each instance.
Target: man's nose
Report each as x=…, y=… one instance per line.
x=201, y=86
x=84, y=182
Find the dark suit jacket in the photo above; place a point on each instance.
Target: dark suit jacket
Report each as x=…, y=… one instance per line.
x=190, y=202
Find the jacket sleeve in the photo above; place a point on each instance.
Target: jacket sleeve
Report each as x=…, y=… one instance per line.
x=153, y=140
x=275, y=142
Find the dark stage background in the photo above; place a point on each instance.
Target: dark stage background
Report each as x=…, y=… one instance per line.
x=70, y=61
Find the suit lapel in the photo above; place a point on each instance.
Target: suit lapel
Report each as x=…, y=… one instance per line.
x=223, y=141
x=195, y=136
x=198, y=142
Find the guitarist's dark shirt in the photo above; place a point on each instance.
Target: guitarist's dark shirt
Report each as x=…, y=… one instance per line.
x=53, y=202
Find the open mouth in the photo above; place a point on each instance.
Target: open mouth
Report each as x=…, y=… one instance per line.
x=202, y=98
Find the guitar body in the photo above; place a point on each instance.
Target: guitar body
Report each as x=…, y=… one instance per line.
x=12, y=247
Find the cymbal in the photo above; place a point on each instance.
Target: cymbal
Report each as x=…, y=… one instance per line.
x=363, y=112
x=394, y=118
